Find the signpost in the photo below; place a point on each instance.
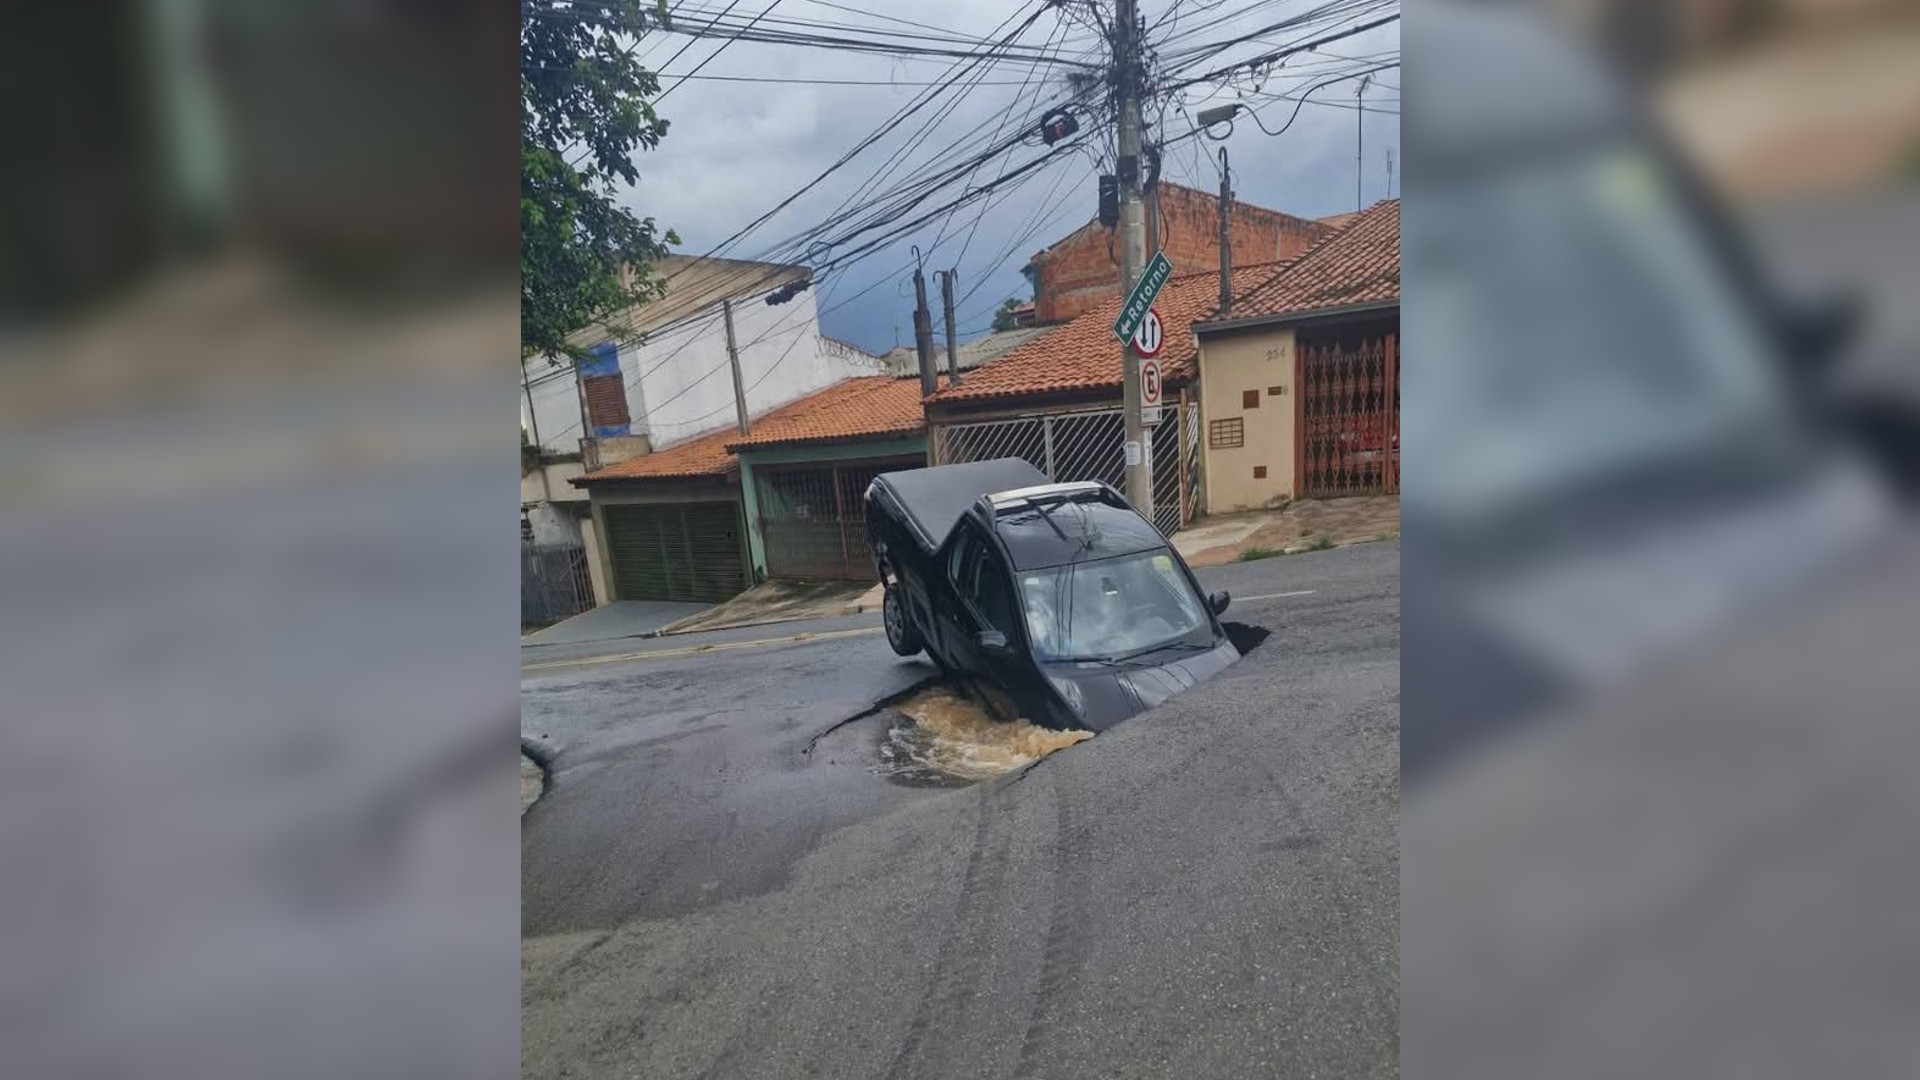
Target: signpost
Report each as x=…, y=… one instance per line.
x=1149, y=337
x=1150, y=391
x=1140, y=300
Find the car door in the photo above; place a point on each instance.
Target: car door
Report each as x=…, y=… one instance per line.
x=984, y=588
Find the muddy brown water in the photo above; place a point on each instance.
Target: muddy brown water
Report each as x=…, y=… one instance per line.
x=939, y=736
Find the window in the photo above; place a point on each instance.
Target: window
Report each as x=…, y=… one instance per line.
x=1111, y=607
x=1250, y=399
x=982, y=585
x=605, y=392
x=1276, y=391
x=961, y=563
x=1259, y=472
x=1226, y=434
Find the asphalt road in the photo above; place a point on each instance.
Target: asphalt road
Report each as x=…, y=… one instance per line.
x=717, y=885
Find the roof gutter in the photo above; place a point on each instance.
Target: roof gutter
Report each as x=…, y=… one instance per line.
x=1253, y=321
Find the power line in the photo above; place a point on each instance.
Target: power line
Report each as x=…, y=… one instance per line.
x=1277, y=54
x=723, y=48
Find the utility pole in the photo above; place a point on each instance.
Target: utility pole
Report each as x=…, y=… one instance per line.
x=1359, y=138
x=533, y=421
x=733, y=359
x=923, y=334
x=1226, y=239
x=1133, y=242
x=1389, y=174
x=946, y=303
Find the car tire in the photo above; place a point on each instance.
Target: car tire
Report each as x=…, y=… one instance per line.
x=901, y=633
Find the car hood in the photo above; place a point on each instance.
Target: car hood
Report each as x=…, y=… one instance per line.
x=1100, y=697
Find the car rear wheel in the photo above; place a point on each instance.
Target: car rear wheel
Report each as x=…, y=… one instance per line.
x=901, y=633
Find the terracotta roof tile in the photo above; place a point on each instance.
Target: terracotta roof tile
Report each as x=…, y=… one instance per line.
x=873, y=407
x=1360, y=264
x=705, y=455
x=1082, y=354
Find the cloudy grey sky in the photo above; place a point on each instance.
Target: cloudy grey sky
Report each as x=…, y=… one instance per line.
x=736, y=149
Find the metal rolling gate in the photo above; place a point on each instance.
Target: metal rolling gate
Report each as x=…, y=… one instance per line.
x=813, y=518
x=1088, y=445
x=1349, y=418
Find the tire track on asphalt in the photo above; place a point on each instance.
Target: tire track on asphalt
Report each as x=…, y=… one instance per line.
x=1065, y=951
x=969, y=944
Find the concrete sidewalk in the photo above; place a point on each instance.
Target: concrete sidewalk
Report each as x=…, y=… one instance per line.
x=784, y=601
x=1301, y=525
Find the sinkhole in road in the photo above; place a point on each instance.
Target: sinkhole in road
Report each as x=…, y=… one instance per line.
x=940, y=737
x=1246, y=637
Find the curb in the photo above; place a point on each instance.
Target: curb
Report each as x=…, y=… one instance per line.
x=670, y=630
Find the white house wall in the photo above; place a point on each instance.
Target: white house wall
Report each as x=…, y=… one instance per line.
x=782, y=357
x=678, y=382
x=556, y=407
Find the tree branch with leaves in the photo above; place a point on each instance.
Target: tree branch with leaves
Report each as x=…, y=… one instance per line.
x=585, y=107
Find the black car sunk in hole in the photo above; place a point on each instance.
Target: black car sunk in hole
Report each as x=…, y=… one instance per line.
x=1057, y=604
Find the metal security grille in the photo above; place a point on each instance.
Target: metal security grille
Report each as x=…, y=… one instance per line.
x=1350, y=416
x=1087, y=445
x=813, y=518
x=553, y=583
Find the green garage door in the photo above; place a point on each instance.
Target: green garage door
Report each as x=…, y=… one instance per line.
x=676, y=551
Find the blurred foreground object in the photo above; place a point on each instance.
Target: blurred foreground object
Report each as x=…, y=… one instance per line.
x=357, y=140
x=1626, y=441
x=256, y=565
x=1772, y=99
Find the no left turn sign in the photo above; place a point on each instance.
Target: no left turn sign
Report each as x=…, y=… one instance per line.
x=1148, y=339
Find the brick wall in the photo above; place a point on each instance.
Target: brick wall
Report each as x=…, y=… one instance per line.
x=1083, y=269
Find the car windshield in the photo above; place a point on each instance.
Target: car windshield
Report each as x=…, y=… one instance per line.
x=1109, y=608
x=1573, y=326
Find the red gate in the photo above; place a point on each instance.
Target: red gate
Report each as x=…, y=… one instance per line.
x=1348, y=416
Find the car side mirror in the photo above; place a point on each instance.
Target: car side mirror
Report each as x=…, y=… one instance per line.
x=992, y=641
x=1219, y=601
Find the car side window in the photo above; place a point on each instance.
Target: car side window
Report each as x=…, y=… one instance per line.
x=963, y=562
x=985, y=587
x=993, y=595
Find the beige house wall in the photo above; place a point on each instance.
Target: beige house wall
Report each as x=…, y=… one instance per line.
x=1232, y=364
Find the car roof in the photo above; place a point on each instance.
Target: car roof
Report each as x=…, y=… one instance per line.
x=934, y=499
x=1080, y=529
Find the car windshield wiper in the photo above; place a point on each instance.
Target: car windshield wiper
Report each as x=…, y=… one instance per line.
x=1119, y=658
x=1047, y=516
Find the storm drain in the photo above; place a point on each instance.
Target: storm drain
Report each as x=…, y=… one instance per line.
x=940, y=737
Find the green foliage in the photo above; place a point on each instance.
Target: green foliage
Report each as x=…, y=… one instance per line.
x=1318, y=543
x=584, y=109
x=1003, y=318
x=1255, y=554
